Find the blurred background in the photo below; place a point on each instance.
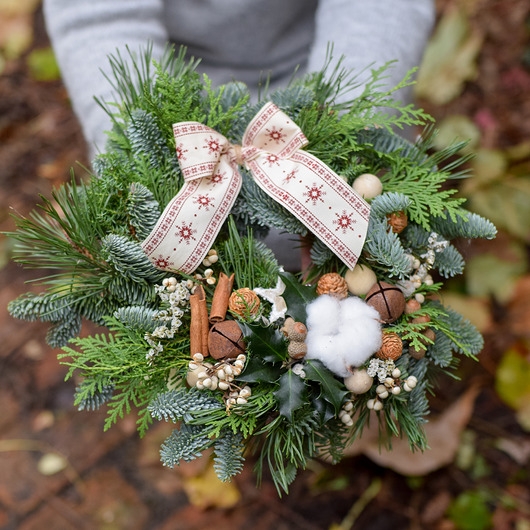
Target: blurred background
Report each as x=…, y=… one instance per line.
x=58, y=470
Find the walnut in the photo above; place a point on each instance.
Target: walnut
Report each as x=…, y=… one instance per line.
x=244, y=302
x=333, y=284
x=225, y=340
x=392, y=347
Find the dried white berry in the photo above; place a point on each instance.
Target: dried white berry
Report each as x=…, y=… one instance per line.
x=406, y=387
x=378, y=405
x=241, y=401
x=396, y=390
x=221, y=374
x=207, y=382
x=223, y=385
x=396, y=373
x=198, y=357
x=245, y=392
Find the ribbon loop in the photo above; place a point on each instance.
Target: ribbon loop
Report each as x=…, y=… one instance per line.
x=271, y=151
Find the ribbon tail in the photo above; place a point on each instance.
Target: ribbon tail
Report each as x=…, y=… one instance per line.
x=319, y=198
x=190, y=223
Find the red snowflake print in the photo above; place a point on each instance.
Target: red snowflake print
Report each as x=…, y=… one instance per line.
x=344, y=221
x=180, y=152
x=272, y=159
x=314, y=194
x=213, y=145
x=276, y=135
x=290, y=176
x=162, y=262
x=185, y=233
x=217, y=178
x=204, y=200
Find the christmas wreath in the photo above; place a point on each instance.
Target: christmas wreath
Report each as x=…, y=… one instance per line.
x=204, y=328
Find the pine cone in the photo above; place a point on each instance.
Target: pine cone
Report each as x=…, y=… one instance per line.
x=398, y=221
x=392, y=347
x=333, y=284
x=244, y=302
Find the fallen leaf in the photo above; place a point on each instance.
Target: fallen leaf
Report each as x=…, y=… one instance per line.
x=207, y=491
x=512, y=382
x=490, y=274
x=506, y=204
x=443, y=437
x=42, y=65
x=476, y=310
x=517, y=450
x=517, y=319
x=449, y=59
x=457, y=128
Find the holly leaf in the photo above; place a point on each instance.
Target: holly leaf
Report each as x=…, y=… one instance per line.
x=333, y=391
x=265, y=342
x=257, y=370
x=291, y=394
x=297, y=296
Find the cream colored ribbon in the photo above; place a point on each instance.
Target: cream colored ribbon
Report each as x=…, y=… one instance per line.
x=271, y=151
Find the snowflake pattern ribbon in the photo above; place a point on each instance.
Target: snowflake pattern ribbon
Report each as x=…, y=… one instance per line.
x=271, y=151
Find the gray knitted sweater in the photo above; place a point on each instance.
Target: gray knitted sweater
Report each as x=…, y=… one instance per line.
x=244, y=40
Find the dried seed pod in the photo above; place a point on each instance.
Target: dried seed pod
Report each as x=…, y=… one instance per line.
x=398, y=221
x=392, y=347
x=244, y=302
x=225, y=340
x=333, y=284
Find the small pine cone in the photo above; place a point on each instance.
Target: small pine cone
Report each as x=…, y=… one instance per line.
x=398, y=221
x=333, y=284
x=244, y=302
x=392, y=347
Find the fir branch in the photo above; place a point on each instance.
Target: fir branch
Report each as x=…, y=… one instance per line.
x=384, y=249
x=186, y=443
x=471, y=226
x=182, y=404
x=228, y=455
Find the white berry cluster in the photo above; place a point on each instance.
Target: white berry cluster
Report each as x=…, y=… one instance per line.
x=391, y=385
x=220, y=375
x=210, y=258
x=207, y=276
x=420, y=267
x=176, y=295
x=346, y=413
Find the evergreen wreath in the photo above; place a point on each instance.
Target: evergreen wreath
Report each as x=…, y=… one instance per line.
x=275, y=388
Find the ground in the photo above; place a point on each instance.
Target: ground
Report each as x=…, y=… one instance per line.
x=114, y=480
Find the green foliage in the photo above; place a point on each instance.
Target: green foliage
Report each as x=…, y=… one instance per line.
x=228, y=455
x=87, y=240
x=185, y=443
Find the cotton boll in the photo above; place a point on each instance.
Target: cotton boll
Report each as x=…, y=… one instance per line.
x=342, y=333
x=361, y=330
x=324, y=313
x=324, y=348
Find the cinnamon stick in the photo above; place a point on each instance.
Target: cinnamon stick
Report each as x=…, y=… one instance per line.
x=199, y=326
x=220, y=298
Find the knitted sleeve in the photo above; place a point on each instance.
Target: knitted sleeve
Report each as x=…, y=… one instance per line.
x=83, y=33
x=371, y=33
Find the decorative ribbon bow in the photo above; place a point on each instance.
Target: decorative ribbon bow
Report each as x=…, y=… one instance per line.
x=299, y=181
